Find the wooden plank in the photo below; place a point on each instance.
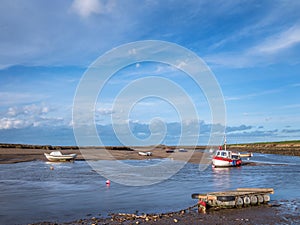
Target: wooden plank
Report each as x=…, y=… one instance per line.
x=264, y=190
x=211, y=197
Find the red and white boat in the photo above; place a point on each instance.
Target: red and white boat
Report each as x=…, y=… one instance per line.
x=225, y=158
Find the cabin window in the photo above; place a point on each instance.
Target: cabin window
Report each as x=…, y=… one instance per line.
x=224, y=154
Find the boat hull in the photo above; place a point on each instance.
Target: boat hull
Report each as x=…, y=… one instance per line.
x=224, y=162
x=61, y=158
x=145, y=153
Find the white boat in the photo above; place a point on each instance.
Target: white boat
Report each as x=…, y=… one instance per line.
x=145, y=153
x=58, y=156
x=225, y=158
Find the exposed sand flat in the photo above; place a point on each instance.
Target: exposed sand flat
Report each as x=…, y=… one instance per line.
x=22, y=154
x=13, y=153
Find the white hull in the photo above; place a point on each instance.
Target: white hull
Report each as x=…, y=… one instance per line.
x=145, y=153
x=221, y=163
x=59, y=157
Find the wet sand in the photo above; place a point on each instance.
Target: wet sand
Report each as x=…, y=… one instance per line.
x=13, y=154
x=264, y=214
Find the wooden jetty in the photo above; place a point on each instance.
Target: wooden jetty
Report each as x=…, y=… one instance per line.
x=241, y=197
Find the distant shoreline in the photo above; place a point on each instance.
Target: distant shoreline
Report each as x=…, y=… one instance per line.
x=291, y=148
x=14, y=153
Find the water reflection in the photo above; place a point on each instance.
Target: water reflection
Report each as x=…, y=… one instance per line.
x=221, y=178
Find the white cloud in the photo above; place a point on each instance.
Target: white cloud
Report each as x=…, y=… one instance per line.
x=33, y=115
x=85, y=8
x=105, y=111
x=132, y=51
x=12, y=111
x=10, y=123
x=181, y=64
x=279, y=42
x=267, y=52
x=254, y=94
x=27, y=110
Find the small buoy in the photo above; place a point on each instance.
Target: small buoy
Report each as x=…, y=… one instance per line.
x=51, y=168
x=108, y=182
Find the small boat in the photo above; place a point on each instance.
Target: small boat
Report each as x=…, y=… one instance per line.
x=225, y=158
x=145, y=153
x=57, y=156
x=170, y=150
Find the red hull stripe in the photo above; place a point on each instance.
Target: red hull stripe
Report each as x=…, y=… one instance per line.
x=222, y=159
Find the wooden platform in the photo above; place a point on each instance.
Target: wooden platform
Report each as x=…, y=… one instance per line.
x=241, y=197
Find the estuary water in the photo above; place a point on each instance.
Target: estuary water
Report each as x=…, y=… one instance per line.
x=31, y=192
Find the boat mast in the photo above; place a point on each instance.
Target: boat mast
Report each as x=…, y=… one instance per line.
x=225, y=142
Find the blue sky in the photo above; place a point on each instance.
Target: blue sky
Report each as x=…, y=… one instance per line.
x=252, y=47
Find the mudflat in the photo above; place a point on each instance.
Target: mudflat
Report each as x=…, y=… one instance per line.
x=264, y=214
x=23, y=153
x=14, y=153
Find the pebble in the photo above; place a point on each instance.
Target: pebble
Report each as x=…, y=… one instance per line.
x=175, y=220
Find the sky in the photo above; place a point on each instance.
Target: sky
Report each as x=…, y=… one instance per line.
x=252, y=48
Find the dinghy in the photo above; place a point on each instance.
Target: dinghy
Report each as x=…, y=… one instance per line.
x=57, y=156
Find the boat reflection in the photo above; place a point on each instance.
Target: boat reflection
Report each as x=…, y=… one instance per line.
x=221, y=177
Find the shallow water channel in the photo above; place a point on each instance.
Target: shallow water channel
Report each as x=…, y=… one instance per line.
x=32, y=192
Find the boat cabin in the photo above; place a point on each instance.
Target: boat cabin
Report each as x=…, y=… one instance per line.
x=227, y=154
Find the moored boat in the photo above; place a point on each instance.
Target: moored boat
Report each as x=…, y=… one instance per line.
x=225, y=158
x=145, y=153
x=57, y=156
x=170, y=150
